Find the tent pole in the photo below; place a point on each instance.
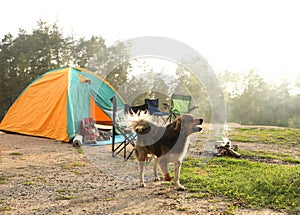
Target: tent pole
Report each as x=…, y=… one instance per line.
x=113, y=100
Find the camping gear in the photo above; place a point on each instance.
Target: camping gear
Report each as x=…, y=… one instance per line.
x=54, y=104
x=88, y=130
x=158, y=116
x=180, y=104
x=135, y=109
x=121, y=127
x=77, y=141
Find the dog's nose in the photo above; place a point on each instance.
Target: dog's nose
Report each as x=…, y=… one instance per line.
x=139, y=130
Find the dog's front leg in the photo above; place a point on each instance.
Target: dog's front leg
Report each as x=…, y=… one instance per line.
x=142, y=182
x=164, y=168
x=177, y=166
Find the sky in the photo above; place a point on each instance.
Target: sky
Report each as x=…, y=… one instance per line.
x=233, y=35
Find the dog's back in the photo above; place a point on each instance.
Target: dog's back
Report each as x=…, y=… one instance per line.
x=163, y=140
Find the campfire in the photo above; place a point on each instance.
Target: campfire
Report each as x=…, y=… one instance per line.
x=226, y=148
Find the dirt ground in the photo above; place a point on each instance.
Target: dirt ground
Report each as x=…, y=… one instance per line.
x=43, y=176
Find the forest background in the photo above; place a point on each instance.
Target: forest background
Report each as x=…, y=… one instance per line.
x=250, y=98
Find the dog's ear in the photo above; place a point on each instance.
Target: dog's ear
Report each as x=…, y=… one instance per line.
x=178, y=123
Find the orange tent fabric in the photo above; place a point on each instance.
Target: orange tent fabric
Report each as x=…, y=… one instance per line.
x=32, y=113
x=54, y=104
x=98, y=115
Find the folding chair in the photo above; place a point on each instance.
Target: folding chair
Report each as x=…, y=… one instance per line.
x=155, y=112
x=135, y=109
x=122, y=128
x=180, y=104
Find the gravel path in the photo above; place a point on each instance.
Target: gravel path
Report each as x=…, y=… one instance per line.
x=43, y=176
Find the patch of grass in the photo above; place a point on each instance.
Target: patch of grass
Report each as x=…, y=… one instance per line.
x=72, y=165
x=28, y=183
x=250, y=184
x=21, y=167
x=232, y=208
x=175, y=196
x=62, y=191
x=2, y=180
x=181, y=208
x=16, y=154
x=166, y=183
x=77, y=172
x=110, y=199
x=267, y=155
x=281, y=136
x=65, y=197
x=4, y=208
x=79, y=150
x=41, y=179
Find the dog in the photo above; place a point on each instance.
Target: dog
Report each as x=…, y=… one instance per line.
x=167, y=144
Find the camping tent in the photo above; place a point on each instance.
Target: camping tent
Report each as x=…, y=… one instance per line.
x=54, y=104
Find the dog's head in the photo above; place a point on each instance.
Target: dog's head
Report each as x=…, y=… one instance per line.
x=141, y=122
x=143, y=127
x=188, y=124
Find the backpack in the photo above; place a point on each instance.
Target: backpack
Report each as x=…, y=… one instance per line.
x=88, y=130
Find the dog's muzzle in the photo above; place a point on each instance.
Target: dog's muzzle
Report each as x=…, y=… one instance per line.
x=142, y=130
x=196, y=128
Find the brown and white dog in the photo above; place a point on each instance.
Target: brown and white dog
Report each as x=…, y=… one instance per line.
x=168, y=144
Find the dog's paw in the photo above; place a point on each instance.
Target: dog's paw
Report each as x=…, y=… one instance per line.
x=168, y=177
x=156, y=179
x=142, y=184
x=180, y=188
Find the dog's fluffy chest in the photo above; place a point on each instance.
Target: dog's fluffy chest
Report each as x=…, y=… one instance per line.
x=185, y=149
x=178, y=152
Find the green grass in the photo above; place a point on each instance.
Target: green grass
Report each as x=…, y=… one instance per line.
x=110, y=199
x=72, y=165
x=77, y=172
x=4, y=208
x=16, y=154
x=181, y=209
x=281, y=136
x=245, y=183
x=79, y=150
x=28, y=183
x=62, y=191
x=65, y=197
x=285, y=158
x=2, y=180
